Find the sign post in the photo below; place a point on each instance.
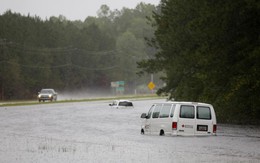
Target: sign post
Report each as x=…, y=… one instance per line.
x=119, y=86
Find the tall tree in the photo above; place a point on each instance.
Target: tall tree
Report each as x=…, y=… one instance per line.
x=209, y=51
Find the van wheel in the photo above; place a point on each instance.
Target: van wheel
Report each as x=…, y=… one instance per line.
x=142, y=131
x=161, y=133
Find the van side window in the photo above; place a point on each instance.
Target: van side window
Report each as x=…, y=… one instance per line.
x=165, y=111
x=203, y=112
x=156, y=111
x=172, y=111
x=187, y=111
x=150, y=112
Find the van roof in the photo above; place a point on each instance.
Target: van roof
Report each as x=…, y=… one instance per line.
x=183, y=102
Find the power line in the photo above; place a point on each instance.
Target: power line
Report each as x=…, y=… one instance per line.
x=104, y=68
x=17, y=47
x=69, y=50
x=53, y=51
x=60, y=66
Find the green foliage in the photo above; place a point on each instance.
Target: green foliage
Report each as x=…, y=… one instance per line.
x=64, y=54
x=209, y=51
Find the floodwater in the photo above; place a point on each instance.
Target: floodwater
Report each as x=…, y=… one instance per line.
x=94, y=132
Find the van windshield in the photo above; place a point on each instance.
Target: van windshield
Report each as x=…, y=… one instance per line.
x=150, y=112
x=156, y=110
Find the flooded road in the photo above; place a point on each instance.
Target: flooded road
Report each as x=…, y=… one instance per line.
x=94, y=132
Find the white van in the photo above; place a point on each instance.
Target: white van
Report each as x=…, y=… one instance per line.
x=180, y=118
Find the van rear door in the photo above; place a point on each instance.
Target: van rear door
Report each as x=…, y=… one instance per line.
x=186, y=122
x=204, y=120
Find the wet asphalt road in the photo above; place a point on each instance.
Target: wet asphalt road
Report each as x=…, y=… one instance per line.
x=94, y=132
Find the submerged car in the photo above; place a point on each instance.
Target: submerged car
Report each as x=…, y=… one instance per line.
x=47, y=95
x=121, y=104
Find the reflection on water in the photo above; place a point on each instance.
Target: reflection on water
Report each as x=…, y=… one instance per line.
x=238, y=130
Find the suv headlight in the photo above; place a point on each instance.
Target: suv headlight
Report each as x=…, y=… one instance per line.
x=50, y=96
x=39, y=96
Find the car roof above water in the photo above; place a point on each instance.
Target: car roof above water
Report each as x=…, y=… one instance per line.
x=123, y=100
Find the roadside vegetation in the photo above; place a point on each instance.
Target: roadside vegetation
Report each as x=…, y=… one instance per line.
x=35, y=102
x=210, y=51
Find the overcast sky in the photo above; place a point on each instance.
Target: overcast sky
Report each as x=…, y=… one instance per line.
x=71, y=9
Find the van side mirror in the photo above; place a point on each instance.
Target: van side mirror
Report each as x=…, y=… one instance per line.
x=143, y=115
x=110, y=104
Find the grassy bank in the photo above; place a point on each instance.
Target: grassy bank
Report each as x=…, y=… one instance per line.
x=35, y=102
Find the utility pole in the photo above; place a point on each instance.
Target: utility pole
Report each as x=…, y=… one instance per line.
x=2, y=60
x=152, y=81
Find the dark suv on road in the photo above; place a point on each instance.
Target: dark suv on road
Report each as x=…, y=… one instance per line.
x=47, y=94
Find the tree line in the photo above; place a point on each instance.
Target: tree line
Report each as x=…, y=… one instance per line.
x=210, y=52
x=71, y=55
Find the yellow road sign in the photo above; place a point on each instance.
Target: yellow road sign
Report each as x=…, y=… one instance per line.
x=151, y=85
